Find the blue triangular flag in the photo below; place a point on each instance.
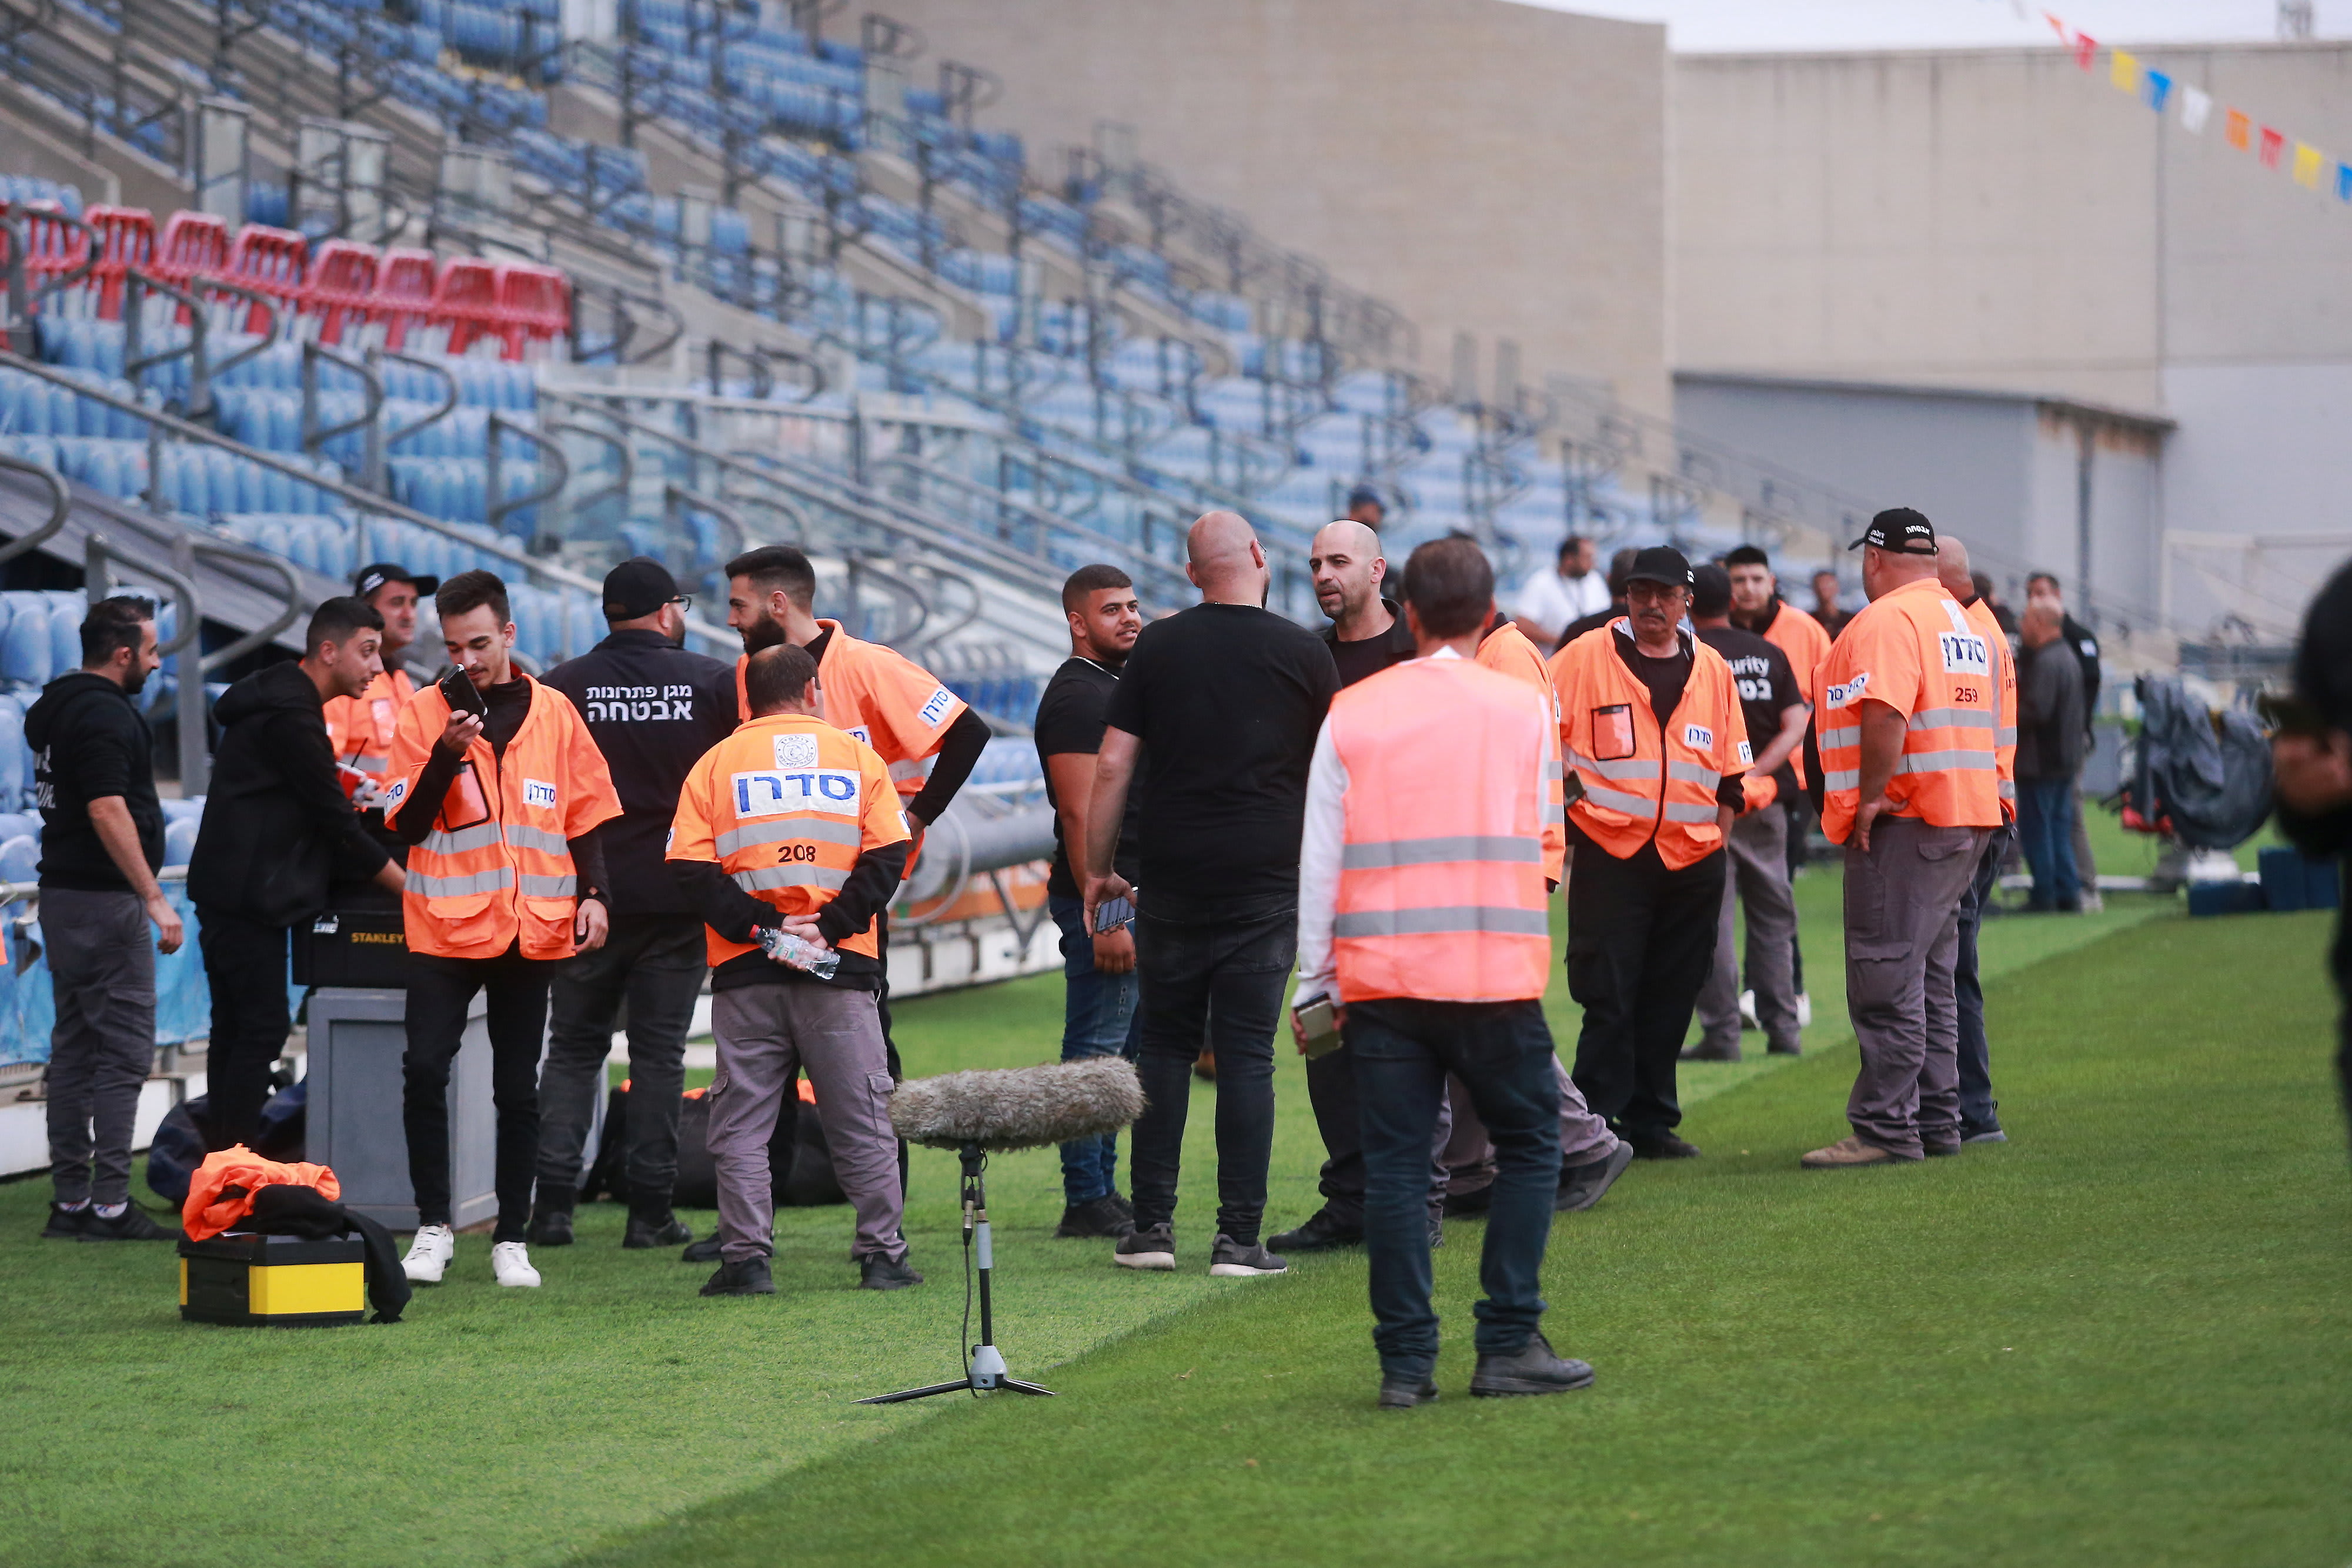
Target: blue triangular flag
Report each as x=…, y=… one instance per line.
x=2159, y=87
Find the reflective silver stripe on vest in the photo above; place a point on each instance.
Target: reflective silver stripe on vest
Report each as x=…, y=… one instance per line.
x=1553, y=770
x=1952, y=717
x=1692, y=773
x=2008, y=790
x=425, y=885
x=482, y=836
x=1633, y=805
x=1491, y=919
x=1384, y=854
x=2004, y=734
x=1627, y=768
x=372, y=764
x=523, y=836
x=1943, y=761
x=550, y=886
x=1678, y=812
x=763, y=878
x=1839, y=735
x=793, y=830
x=1554, y=814
x=1841, y=779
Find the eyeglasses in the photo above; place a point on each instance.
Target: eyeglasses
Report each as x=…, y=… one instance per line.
x=683, y=601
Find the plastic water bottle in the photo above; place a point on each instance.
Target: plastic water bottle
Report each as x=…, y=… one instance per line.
x=786, y=948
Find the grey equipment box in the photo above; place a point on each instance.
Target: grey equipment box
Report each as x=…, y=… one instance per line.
x=354, y=1118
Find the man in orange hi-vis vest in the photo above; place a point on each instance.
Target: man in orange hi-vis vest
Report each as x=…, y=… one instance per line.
x=1980, y=1115
x=1424, y=921
x=1657, y=750
x=361, y=728
x=789, y=841
x=499, y=800
x=1907, y=707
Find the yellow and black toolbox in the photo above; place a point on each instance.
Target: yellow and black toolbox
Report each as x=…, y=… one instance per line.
x=240, y=1277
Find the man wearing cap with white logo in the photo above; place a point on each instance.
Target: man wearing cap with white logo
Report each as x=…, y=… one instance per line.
x=1908, y=709
x=653, y=709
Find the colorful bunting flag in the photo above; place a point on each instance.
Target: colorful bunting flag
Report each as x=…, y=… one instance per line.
x=2237, y=131
x=2123, y=69
x=2272, y=146
x=2344, y=181
x=2308, y=164
x=2086, y=46
x=2196, y=106
x=2056, y=25
x=2159, y=87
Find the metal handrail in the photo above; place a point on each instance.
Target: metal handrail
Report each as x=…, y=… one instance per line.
x=60, y=505
x=677, y=500
x=494, y=506
x=448, y=406
x=628, y=460
x=315, y=440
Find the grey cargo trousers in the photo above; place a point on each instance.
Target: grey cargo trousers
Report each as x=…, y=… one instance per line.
x=1902, y=944
x=1758, y=864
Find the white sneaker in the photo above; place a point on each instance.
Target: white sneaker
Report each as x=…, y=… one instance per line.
x=511, y=1261
x=429, y=1254
x=1747, y=1009
x=1804, y=1011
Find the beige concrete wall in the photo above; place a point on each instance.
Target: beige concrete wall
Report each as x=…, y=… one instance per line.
x=1484, y=166
x=1998, y=219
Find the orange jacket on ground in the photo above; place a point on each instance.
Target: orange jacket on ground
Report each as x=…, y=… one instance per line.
x=880, y=696
x=1507, y=650
x=785, y=805
x=361, y=728
x=497, y=867
x=1641, y=782
x=1915, y=650
x=2004, y=750
x=212, y=1209
x=1802, y=638
x=1441, y=892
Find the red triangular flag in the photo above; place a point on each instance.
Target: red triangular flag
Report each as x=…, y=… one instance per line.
x=2272, y=144
x=2086, y=46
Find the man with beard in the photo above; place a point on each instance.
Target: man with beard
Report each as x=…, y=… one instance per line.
x=1098, y=1013
x=360, y=728
x=101, y=842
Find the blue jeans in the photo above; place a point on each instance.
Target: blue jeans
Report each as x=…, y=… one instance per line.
x=1978, y=1111
x=1098, y=1018
x=2045, y=820
x=1502, y=1051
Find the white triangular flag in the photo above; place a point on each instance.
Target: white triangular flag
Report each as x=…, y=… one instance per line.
x=2195, y=105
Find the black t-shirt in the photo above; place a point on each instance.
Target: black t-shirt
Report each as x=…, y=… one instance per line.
x=1592, y=622
x=1665, y=677
x=1227, y=699
x=1370, y=656
x=1070, y=723
x=1767, y=688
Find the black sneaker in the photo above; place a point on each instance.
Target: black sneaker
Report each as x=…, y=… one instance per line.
x=1404, y=1393
x=551, y=1226
x=747, y=1277
x=1532, y=1369
x=1323, y=1232
x=66, y=1224
x=1710, y=1053
x=1987, y=1134
x=1662, y=1146
x=1940, y=1149
x=703, y=1251
x=1126, y=1205
x=1580, y=1186
x=648, y=1230
x=886, y=1274
x=1096, y=1219
x=1459, y=1203
x=1152, y=1248
x=1229, y=1259
x=131, y=1225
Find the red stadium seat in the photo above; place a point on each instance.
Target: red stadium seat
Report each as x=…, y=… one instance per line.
x=52, y=248
x=126, y=238
x=404, y=284
x=534, y=306
x=467, y=302
x=270, y=261
x=342, y=280
x=195, y=244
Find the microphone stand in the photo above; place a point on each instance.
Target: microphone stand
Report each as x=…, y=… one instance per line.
x=985, y=1371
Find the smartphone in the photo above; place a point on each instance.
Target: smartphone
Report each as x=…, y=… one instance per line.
x=1110, y=916
x=1317, y=1028
x=462, y=696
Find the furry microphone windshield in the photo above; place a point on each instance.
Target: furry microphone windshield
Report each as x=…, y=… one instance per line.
x=1019, y=1107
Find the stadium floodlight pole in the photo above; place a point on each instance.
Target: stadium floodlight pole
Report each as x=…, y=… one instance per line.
x=984, y=1364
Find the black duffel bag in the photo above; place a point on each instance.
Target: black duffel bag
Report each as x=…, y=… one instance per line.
x=799, y=1165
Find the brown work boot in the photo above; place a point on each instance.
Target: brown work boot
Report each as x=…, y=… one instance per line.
x=1848, y=1152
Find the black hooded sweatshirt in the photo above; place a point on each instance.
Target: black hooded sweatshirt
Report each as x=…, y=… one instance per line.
x=277, y=827
x=89, y=742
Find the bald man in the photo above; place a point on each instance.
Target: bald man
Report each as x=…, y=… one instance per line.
x=1223, y=702
x=1367, y=634
x=1980, y=1115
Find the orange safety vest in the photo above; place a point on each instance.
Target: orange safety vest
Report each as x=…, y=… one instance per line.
x=1441, y=893
x=497, y=867
x=785, y=805
x=221, y=1192
x=2004, y=734
x=1915, y=650
x=1806, y=644
x=1641, y=782
x=881, y=697
x=362, y=727
x=1506, y=651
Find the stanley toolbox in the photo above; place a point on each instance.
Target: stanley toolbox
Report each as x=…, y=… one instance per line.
x=240, y=1277
x=359, y=948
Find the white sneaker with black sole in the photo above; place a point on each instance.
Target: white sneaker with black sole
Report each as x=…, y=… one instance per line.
x=429, y=1254
x=1229, y=1259
x=1154, y=1249
x=511, y=1261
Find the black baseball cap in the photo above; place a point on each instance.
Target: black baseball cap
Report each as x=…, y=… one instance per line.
x=1661, y=564
x=372, y=578
x=639, y=585
x=1710, y=589
x=1900, y=529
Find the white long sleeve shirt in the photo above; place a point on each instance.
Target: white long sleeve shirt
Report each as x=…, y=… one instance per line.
x=1319, y=843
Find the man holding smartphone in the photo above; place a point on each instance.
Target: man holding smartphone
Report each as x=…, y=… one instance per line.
x=1098, y=1011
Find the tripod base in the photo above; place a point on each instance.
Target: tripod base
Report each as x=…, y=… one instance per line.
x=958, y=1386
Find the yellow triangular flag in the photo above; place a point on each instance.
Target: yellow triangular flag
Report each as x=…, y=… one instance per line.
x=2308, y=161
x=2125, y=72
